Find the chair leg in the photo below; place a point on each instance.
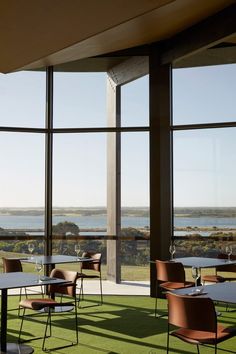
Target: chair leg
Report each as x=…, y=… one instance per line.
x=156, y=301
x=42, y=292
x=168, y=338
x=48, y=322
x=21, y=325
x=155, y=311
x=82, y=288
x=19, y=301
x=156, y=307
x=198, y=351
x=76, y=324
x=101, y=288
x=81, y=295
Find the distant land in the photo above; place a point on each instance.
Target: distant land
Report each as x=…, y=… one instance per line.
x=125, y=211
x=75, y=211
x=217, y=212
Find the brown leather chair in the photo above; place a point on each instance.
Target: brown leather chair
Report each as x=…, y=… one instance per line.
x=216, y=278
x=14, y=265
x=94, y=271
x=170, y=276
x=11, y=265
x=49, y=304
x=197, y=321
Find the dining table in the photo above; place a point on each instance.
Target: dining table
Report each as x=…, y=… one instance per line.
x=220, y=292
x=55, y=259
x=203, y=262
x=52, y=261
x=16, y=280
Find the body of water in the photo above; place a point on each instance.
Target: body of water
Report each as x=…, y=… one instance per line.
x=84, y=222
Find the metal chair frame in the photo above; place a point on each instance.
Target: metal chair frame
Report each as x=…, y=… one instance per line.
x=183, y=313
x=167, y=274
x=68, y=290
x=94, y=265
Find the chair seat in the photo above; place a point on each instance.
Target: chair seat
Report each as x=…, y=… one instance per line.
x=229, y=278
x=214, y=278
x=37, y=304
x=82, y=275
x=176, y=285
x=196, y=337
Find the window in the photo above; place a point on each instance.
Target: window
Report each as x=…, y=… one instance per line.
x=79, y=100
x=79, y=188
x=204, y=94
x=204, y=160
x=22, y=99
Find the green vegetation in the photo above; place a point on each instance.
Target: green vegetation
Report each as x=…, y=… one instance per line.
x=220, y=212
x=124, y=324
x=92, y=211
x=125, y=211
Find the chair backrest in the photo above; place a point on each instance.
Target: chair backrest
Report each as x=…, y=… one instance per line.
x=229, y=267
x=95, y=264
x=170, y=271
x=192, y=312
x=68, y=275
x=11, y=265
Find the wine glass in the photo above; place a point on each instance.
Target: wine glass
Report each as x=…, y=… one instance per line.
x=196, y=274
x=172, y=250
x=31, y=249
x=229, y=251
x=38, y=267
x=77, y=250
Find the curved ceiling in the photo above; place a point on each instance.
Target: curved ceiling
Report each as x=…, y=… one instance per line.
x=34, y=34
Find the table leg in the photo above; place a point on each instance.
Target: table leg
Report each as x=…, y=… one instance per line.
x=4, y=320
x=10, y=348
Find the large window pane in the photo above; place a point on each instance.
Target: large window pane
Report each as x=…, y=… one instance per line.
x=22, y=99
x=79, y=189
x=22, y=184
x=135, y=256
x=79, y=100
x=135, y=103
x=135, y=181
x=135, y=222
x=66, y=246
x=204, y=94
x=204, y=185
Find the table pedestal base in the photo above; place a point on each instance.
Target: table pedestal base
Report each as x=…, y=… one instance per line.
x=15, y=348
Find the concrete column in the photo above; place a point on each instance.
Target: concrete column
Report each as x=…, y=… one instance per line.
x=113, y=182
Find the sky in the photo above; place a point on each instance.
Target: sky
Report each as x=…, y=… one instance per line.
x=204, y=161
x=79, y=160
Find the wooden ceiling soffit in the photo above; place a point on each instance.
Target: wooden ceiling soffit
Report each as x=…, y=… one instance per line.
x=212, y=56
x=203, y=35
x=35, y=31
x=129, y=70
x=114, y=28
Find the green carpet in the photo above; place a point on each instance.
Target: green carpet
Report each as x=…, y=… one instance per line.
x=122, y=325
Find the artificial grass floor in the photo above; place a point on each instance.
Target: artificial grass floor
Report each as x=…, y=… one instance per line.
x=122, y=325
